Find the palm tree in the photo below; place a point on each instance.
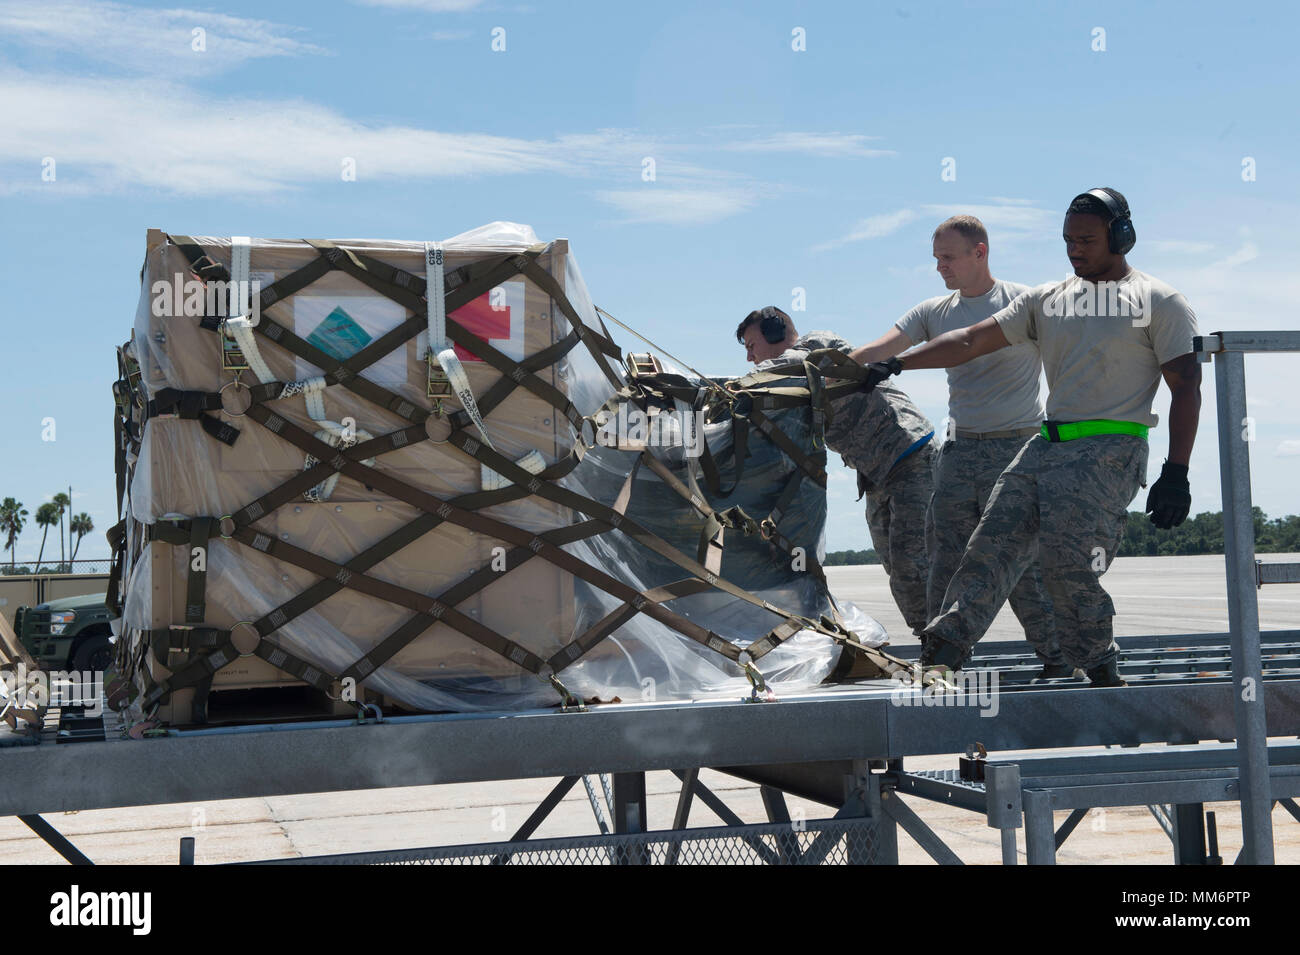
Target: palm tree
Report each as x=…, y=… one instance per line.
x=62, y=502
x=12, y=518
x=81, y=525
x=47, y=515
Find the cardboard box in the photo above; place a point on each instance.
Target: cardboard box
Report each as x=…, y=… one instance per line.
x=183, y=472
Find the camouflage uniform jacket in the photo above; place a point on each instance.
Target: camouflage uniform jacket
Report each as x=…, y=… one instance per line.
x=869, y=431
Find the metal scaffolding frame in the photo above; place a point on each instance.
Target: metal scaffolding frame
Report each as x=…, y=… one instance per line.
x=1228, y=350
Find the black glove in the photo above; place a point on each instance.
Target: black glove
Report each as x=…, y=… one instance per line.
x=878, y=371
x=1170, y=497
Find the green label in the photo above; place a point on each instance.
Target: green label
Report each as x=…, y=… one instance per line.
x=339, y=336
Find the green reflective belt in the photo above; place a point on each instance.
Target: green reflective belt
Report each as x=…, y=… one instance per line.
x=1068, y=431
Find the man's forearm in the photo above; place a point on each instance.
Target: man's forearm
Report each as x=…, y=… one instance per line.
x=886, y=346
x=951, y=348
x=1184, y=415
x=866, y=354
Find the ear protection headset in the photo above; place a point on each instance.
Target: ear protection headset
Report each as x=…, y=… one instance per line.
x=1120, y=234
x=772, y=325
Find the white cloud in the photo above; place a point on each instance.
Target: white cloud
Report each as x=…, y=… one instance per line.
x=872, y=227
x=1288, y=449
x=693, y=206
x=141, y=39
x=129, y=133
x=1009, y=215
x=1247, y=253
x=1008, y=218
x=836, y=145
x=428, y=6
x=121, y=134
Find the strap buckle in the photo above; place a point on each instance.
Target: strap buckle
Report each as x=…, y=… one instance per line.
x=205, y=267
x=568, y=700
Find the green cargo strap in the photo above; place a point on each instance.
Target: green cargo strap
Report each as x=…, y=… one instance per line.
x=117, y=543
x=165, y=640
x=1068, y=431
x=191, y=406
x=597, y=632
x=781, y=544
x=817, y=400
x=200, y=530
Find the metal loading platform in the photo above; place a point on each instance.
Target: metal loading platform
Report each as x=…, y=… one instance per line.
x=842, y=746
x=1225, y=708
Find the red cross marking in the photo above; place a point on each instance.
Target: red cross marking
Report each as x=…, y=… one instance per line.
x=480, y=318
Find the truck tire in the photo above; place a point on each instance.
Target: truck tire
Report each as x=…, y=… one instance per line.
x=93, y=653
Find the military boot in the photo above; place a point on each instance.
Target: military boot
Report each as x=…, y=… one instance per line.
x=940, y=658
x=1106, y=675
x=1056, y=671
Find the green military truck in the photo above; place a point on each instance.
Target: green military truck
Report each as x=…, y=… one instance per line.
x=70, y=633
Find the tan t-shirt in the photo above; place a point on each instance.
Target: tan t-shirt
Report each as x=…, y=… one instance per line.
x=995, y=392
x=1102, y=343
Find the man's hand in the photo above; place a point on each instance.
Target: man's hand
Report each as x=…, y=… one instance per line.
x=878, y=371
x=1170, y=497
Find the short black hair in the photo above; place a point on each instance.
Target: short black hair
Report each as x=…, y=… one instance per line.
x=1090, y=205
x=757, y=315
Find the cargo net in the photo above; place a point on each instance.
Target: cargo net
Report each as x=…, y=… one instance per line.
x=757, y=415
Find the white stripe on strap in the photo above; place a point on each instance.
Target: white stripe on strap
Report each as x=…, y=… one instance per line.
x=460, y=387
x=241, y=329
x=436, y=295
x=240, y=267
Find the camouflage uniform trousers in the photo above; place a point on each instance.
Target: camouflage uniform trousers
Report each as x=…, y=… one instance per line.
x=966, y=470
x=1073, y=497
x=896, y=519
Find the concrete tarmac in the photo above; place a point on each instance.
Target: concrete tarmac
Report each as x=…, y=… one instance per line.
x=1161, y=595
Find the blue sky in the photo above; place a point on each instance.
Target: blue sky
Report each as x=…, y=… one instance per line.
x=775, y=169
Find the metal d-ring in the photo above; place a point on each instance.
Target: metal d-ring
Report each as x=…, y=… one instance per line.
x=243, y=623
x=237, y=385
x=438, y=416
x=582, y=436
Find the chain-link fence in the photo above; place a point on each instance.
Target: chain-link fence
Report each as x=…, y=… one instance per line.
x=820, y=842
x=20, y=568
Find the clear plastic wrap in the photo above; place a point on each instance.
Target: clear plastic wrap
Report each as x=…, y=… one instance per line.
x=182, y=473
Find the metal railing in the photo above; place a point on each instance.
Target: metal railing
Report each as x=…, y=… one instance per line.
x=1228, y=350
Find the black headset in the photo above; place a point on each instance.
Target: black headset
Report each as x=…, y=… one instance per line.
x=772, y=325
x=1120, y=234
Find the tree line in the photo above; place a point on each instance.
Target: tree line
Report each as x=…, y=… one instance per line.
x=56, y=511
x=1202, y=534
